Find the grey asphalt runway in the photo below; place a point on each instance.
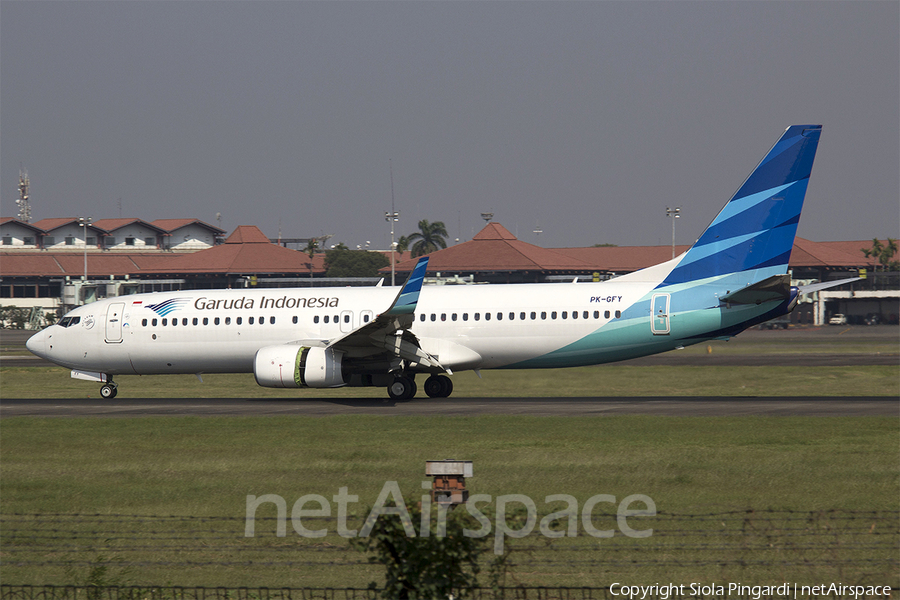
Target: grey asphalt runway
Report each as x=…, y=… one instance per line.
x=564, y=407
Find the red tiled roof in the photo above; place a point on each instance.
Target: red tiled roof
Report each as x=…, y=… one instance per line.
x=60, y=264
x=113, y=224
x=247, y=234
x=51, y=224
x=246, y=250
x=494, y=248
x=4, y=220
x=171, y=225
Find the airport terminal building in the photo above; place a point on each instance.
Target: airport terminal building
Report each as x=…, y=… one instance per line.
x=54, y=265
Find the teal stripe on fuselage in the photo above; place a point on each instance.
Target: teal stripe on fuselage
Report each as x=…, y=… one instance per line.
x=632, y=338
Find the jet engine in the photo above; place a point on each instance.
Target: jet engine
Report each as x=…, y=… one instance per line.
x=298, y=366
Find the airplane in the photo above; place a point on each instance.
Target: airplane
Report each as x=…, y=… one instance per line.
x=733, y=277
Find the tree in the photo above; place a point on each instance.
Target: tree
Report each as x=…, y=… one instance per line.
x=434, y=566
x=341, y=262
x=403, y=244
x=429, y=238
x=311, y=246
x=883, y=254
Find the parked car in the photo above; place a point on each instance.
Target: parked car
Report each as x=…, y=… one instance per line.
x=873, y=319
x=838, y=319
x=779, y=323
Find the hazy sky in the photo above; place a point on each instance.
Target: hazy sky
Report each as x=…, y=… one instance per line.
x=585, y=119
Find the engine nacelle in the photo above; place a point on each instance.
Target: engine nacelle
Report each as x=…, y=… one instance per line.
x=298, y=366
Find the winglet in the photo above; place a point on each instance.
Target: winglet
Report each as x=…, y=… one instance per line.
x=405, y=302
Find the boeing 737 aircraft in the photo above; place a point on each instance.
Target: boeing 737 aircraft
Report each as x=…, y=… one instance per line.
x=733, y=277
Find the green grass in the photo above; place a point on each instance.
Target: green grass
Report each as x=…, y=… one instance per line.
x=205, y=467
x=599, y=381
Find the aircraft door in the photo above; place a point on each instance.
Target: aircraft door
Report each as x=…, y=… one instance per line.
x=114, y=322
x=659, y=321
x=346, y=321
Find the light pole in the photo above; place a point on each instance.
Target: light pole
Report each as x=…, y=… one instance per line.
x=674, y=213
x=84, y=222
x=393, y=217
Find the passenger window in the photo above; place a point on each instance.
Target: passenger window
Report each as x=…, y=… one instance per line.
x=249, y=320
x=618, y=314
x=512, y=316
x=184, y=321
x=144, y=323
x=465, y=316
x=365, y=318
x=325, y=320
x=336, y=319
x=453, y=317
x=565, y=315
x=216, y=321
x=477, y=316
x=271, y=320
x=206, y=320
x=346, y=318
x=585, y=314
x=443, y=316
x=487, y=316
x=606, y=314
x=316, y=319
x=196, y=320
x=153, y=322
x=596, y=314
x=543, y=315
x=533, y=316
x=238, y=320
x=574, y=314
x=174, y=322
x=294, y=320
x=228, y=320
x=499, y=316
x=521, y=316
x=553, y=315
x=165, y=322
x=433, y=317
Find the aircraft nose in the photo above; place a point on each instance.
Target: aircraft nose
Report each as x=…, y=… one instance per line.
x=37, y=344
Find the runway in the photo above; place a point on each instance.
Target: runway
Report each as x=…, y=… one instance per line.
x=454, y=407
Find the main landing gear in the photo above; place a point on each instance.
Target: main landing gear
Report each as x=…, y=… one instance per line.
x=404, y=387
x=109, y=389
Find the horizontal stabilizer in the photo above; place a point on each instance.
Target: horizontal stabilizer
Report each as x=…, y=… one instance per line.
x=824, y=285
x=777, y=287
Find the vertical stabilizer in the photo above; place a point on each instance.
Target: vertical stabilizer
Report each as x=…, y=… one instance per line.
x=755, y=230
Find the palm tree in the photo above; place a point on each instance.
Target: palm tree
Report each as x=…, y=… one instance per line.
x=429, y=238
x=311, y=246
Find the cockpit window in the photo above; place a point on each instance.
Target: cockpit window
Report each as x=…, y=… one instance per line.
x=69, y=321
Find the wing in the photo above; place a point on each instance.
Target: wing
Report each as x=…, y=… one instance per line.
x=388, y=333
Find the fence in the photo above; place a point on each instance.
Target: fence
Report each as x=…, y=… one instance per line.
x=8, y=592
x=748, y=546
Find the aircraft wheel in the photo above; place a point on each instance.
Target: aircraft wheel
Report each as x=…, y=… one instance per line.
x=438, y=386
x=402, y=388
x=447, y=386
x=108, y=391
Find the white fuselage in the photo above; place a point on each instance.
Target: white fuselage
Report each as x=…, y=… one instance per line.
x=470, y=327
